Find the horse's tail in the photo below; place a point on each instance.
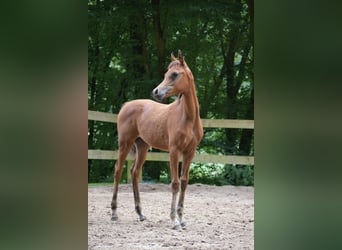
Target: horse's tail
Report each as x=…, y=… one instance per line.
x=133, y=150
x=135, y=147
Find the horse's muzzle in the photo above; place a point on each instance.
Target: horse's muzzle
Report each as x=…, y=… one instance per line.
x=157, y=96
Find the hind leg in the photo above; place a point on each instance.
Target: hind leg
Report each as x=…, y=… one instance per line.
x=141, y=151
x=124, y=149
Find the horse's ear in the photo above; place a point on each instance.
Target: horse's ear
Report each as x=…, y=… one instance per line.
x=173, y=58
x=180, y=57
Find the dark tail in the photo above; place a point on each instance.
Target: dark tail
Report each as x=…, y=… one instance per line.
x=133, y=150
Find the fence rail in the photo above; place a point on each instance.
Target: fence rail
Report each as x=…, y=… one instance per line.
x=154, y=156
x=207, y=123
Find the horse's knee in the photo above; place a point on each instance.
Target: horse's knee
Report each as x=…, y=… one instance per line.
x=175, y=187
x=180, y=210
x=173, y=214
x=184, y=184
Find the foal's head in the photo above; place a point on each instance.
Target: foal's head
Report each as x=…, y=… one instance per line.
x=177, y=79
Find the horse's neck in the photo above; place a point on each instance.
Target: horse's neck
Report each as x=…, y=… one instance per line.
x=190, y=104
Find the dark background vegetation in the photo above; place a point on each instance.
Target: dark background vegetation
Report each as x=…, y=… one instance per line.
x=129, y=46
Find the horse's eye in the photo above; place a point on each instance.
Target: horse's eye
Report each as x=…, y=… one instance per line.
x=174, y=75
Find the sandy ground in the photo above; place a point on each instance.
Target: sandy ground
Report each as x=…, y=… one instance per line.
x=217, y=218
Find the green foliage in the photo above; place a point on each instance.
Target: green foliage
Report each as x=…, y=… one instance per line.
x=206, y=174
x=165, y=177
x=219, y=174
x=154, y=170
x=101, y=171
x=239, y=175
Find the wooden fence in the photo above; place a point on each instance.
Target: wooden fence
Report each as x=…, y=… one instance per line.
x=154, y=156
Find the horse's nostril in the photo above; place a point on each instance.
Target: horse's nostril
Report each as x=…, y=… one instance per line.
x=155, y=91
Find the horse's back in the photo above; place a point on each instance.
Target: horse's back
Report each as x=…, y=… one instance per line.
x=134, y=109
x=137, y=111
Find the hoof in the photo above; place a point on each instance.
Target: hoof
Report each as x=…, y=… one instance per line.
x=176, y=227
x=142, y=218
x=183, y=224
x=114, y=218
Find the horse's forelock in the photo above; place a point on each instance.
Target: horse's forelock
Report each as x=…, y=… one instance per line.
x=173, y=64
x=177, y=63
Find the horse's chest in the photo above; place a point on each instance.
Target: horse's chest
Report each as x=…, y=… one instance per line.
x=185, y=139
x=184, y=136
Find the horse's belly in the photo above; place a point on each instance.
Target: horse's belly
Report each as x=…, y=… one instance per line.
x=158, y=143
x=153, y=130
x=155, y=135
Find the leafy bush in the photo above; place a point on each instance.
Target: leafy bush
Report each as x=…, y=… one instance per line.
x=206, y=174
x=239, y=175
x=218, y=174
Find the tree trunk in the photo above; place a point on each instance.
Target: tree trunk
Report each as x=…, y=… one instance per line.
x=211, y=92
x=247, y=134
x=159, y=37
x=144, y=46
x=92, y=103
x=251, y=19
x=231, y=91
x=137, y=68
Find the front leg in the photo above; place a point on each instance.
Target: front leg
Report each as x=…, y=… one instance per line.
x=187, y=158
x=174, y=157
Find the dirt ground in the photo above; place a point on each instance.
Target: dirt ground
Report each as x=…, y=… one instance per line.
x=217, y=218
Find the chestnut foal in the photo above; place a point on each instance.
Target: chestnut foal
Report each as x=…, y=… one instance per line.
x=175, y=127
